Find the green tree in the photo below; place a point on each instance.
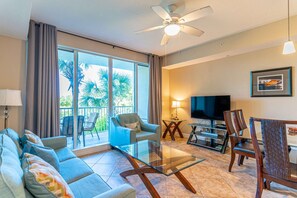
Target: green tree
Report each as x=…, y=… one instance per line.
x=67, y=70
x=96, y=94
x=66, y=101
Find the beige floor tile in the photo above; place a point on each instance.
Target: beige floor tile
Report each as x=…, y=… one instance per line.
x=92, y=159
x=104, y=177
x=119, y=168
x=103, y=169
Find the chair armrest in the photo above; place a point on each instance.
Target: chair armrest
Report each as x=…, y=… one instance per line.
x=123, y=191
x=120, y=135
x=55, y=142
x=150, y=127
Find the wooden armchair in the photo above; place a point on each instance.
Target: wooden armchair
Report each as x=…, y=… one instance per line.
x=276, y=165
x=235, y=124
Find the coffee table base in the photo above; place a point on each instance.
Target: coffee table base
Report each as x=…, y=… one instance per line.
x=140, y=171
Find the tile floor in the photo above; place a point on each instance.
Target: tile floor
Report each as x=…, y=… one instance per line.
x=210, y=178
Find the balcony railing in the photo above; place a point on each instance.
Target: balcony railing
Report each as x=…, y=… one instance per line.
x=102, y=120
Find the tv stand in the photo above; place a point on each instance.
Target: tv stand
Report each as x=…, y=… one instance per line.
x=211, y=136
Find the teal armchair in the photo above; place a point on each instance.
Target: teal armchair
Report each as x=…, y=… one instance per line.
x=122, y=135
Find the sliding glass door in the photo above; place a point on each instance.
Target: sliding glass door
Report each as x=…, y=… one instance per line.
x=67, y=88
x=93, y=97
x=93, y=88
x=123, y=87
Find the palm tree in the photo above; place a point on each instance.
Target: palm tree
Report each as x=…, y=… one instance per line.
x=67, y=70
x=96, y=94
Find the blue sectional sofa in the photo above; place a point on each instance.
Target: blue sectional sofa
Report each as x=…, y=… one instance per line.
x=81, y=179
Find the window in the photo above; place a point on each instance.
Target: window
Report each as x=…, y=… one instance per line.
x=93, y=87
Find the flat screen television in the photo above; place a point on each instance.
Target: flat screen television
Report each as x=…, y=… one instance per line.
x=209, y=107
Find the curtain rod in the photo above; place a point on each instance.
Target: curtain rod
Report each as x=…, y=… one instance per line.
x=103, y=42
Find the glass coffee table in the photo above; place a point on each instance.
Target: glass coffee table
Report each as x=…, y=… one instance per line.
x=157, y=159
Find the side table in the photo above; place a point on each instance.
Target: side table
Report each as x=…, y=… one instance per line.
x=172, y=126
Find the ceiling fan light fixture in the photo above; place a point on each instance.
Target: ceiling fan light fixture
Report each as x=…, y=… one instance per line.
x=172, y=29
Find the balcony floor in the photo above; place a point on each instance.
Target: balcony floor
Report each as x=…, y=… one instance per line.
x=90, y=141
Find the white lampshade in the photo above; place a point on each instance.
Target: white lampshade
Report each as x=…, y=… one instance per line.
x=172, y=29
x=175, y=104
x=10, y=97
x=289, y=48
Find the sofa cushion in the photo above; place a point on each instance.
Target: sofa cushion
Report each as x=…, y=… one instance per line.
x=144, y=135
x=11, y=183
x=32, y=137
x=64, y=154
x=45, y=153
x=43, y=180
x=15, y=138
x=89, y=186
x=74, y=169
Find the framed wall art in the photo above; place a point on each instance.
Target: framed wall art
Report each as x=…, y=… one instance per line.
x=271, y=82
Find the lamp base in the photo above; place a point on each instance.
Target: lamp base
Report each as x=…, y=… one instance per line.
x=5, y=117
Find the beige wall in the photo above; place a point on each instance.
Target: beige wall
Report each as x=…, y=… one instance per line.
x=12, y=76
x=231, y=76
x=100, y=48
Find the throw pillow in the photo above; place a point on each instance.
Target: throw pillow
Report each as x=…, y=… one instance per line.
x=45, y=153
x=42, y=180
x=30, y=136
x=15, y=138
x=134, y=126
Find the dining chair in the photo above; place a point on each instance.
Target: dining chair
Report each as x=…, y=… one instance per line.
x=276, y=165
x=235, y=124
x=68, y=128
x=90, y=124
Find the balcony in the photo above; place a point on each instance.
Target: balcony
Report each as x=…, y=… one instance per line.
x=101, y=123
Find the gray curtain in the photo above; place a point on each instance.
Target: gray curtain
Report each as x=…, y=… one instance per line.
x=155, y=90
x=42, y=88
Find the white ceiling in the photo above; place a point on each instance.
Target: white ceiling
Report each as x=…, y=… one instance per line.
x=14, y=18
x=115, y=21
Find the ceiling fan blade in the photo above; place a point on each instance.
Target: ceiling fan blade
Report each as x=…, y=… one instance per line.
x=161, y=12
x=150, y=29
x=191, y=30
x=165, y=39
x=196, y=14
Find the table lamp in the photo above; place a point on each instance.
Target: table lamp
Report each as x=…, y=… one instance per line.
x=175, y=104
x=9, y=98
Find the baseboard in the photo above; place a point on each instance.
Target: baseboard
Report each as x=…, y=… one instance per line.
x=92, y=149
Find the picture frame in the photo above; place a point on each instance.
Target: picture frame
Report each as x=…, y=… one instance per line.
x=272, y=82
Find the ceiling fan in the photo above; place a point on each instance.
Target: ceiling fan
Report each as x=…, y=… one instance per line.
x=173, y=23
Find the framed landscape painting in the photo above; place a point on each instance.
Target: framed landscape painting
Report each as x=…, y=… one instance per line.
x=272, y=82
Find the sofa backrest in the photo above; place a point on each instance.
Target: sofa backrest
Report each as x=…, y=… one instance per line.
x=11, y=173
x=127, y=118
x=14, y=137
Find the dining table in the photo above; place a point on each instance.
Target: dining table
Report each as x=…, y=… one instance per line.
x=245, y=134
